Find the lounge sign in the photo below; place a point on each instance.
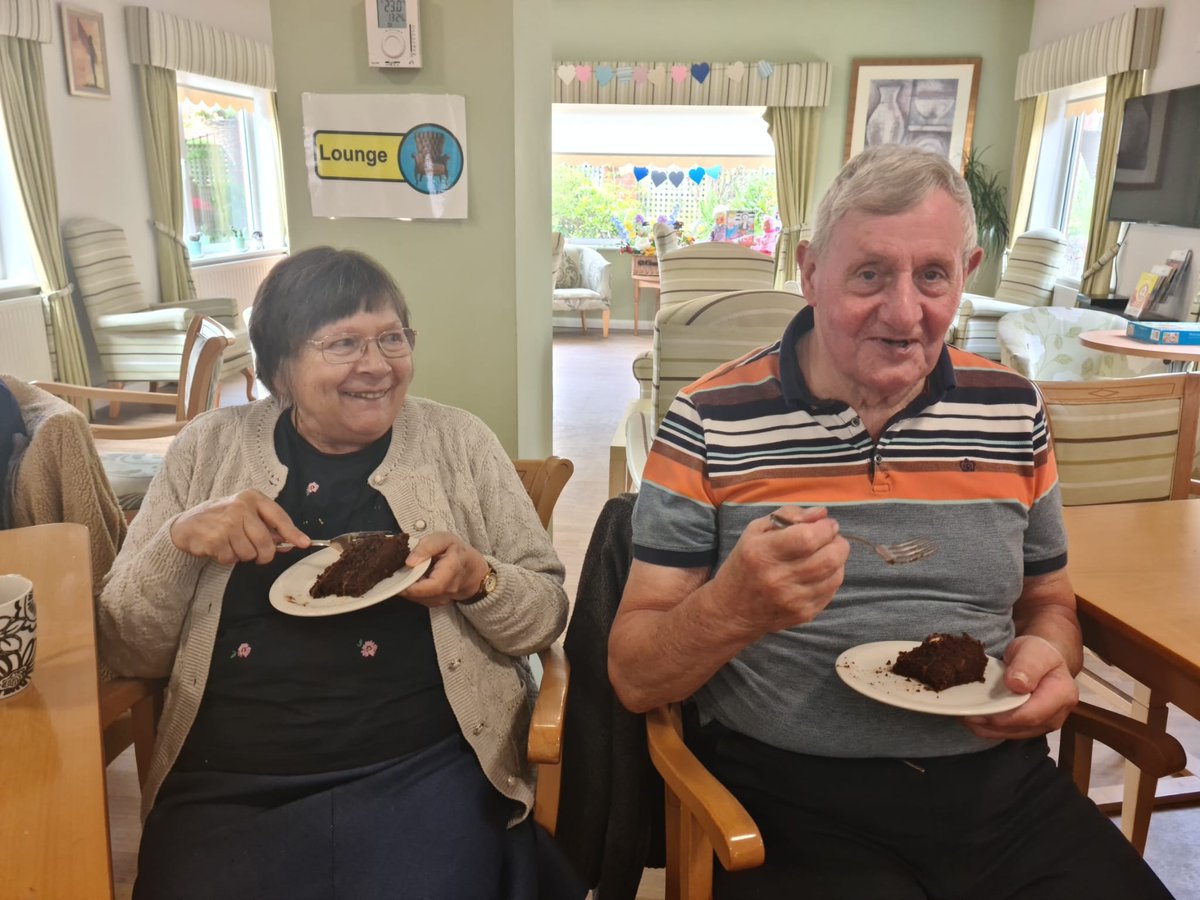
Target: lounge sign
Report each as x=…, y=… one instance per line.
x=386, y=155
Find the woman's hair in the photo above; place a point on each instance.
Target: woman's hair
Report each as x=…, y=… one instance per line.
x=307, y=291
x=891, y=179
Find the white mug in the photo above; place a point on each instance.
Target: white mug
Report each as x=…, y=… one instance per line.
x=18, y=633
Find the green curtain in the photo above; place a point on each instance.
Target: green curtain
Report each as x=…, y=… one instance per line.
x=1103, y=233
x=160, y=136
x=23, y=100
x=283, y=220
x=795, y=131
x=1031, y=117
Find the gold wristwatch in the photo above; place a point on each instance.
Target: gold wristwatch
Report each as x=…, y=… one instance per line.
x=487, y=587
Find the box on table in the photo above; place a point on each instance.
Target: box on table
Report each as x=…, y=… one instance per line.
x=1164, y=332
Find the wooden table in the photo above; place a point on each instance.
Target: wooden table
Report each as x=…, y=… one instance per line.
x=1136, y=572
x=53, y=807
x=644, y=272
x=1114, y=341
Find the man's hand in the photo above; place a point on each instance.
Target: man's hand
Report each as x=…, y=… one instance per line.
x=779, y=577
x=1035, y=667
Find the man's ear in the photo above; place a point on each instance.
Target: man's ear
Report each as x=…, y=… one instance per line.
x=973, y=262
x=806, y=264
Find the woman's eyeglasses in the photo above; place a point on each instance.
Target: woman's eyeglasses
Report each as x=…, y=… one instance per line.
x=340, y=349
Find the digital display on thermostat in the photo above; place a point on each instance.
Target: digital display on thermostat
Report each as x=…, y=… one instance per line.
x=392, y=13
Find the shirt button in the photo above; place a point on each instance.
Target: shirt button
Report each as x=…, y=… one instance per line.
x=377, y=479
x=420, y=525
x=478, y=728
x=454, y=664
x=856, y=421
x=510, y=780
x=879, y=459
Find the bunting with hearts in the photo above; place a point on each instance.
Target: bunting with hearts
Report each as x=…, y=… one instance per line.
x=675, y=176
x=739, y=83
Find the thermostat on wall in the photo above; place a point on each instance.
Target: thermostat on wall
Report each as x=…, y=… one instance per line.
x=393, y=34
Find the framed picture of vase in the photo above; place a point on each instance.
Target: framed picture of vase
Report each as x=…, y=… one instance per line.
x=927, y=103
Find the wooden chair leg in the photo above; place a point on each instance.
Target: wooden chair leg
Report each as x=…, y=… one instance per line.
x=249, y=373
x=605, y=321
x=583, y=322
x=144, y=715
x=114, y=408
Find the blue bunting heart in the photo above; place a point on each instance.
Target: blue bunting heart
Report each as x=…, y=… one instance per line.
x=640, y=172
x=714, y=172
x=604, y=75
x=676, y=178
x=696, y=174
x=658, y=177
x=700, y=72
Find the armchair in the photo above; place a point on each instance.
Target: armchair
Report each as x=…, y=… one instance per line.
x=1028, y=280
x=583, y=283
x=1042, y=343
x=138, y=340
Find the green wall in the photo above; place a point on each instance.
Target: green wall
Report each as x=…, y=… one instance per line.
x=836, y=31
x=478, y=288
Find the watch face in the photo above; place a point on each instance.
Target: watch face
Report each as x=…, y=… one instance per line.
x=392, y=13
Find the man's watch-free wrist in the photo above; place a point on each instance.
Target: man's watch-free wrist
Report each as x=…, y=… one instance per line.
x=487, y=587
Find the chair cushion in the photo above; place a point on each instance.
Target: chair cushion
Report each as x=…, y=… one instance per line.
x=103, y=264
x=130, y=475
x=576, y=299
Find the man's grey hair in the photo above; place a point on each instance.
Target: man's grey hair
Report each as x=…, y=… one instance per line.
x=887, y=180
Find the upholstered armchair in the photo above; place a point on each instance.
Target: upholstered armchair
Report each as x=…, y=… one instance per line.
x=139, y=340
x=1028, y=280
x=582, y=283
x=1042, y=343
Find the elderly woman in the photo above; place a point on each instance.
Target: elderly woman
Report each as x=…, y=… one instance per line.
x=380, y=752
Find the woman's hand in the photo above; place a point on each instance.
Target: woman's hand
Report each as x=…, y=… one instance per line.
x=456, y=572
x=241, y=528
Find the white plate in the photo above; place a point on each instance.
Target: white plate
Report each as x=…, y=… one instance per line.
x=867, y=668
x=289, y=594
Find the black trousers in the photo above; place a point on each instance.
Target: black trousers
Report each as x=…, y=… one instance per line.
x=1003, y=823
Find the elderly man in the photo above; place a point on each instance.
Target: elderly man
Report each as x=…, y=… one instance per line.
x=861, y=418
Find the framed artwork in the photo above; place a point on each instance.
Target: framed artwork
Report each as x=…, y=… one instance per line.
x=1140, y=150
x=927, y=103
x=86, y=53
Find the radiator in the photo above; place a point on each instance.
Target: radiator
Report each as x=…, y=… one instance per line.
x=237, y=278
x=24, y=350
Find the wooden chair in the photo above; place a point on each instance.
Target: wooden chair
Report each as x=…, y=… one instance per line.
x=545, y=479
x=198, y=390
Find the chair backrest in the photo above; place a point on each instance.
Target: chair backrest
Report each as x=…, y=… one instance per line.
x=544, y=479
x=103, y=264
x=1032, y=268
x=1122, y=440
x=200, y=367
x=1042, y=343
x=557, y=242
x=712, y=267
x=694, y=337
x=666, y=239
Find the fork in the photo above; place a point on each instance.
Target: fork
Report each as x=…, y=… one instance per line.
x=342, y=541
x=899, y=554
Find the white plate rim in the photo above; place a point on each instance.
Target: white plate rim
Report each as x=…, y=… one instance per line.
x=863, y=669
x=297, y=578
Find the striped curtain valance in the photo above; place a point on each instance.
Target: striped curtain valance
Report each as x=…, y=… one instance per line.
x=32, y=20
x=724, y=84
x=184, y=45
x=1124, y=43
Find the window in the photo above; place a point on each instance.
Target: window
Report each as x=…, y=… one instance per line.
x=1065, y=185
x=231, y=185
x=617, y=169
x=16, y=244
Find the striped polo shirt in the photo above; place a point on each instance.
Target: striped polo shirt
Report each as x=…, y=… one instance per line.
x=968, y=463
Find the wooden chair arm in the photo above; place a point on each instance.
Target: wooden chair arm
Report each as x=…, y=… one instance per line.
x=137, y=432
x=546, y=726
x=726, y=824
x=83, y=392
x=1156, y=753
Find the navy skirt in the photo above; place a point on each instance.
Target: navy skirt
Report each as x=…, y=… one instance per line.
x=429, y=825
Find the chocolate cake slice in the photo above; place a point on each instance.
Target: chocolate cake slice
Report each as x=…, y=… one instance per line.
x=362, y=565
x=942, y=661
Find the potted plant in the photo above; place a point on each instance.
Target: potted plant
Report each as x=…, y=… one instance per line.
x=194, y=245
x=239, y=238
x=989, y=199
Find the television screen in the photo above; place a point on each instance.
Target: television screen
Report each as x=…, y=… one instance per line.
x=1158, y=160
